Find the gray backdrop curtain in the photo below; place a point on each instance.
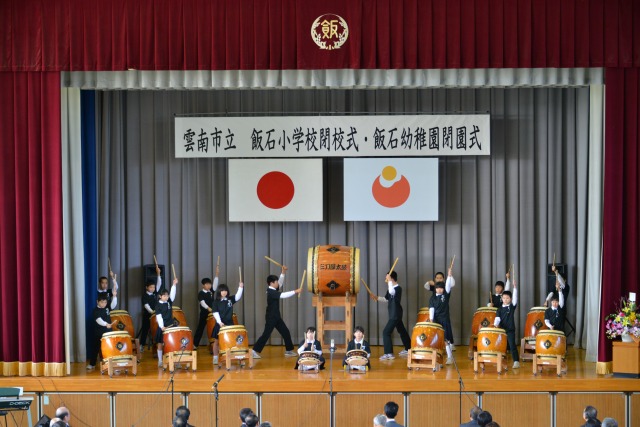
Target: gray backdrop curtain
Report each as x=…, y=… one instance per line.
x=519, y=205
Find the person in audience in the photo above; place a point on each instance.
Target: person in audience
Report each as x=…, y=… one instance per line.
x=243, y=415
x=265, y=424
x=390, y=411
x=493, y=424
x=609, y=422
x=184, y=413
x=64, y=415
x=473, y=417
x=590, y=413
x=179, y=422
x=484, y=418
x=379, y=421
x=251, y=420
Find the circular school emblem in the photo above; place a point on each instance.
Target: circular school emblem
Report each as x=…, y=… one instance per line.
x=184, y=341
x=119, y=346
x=329, y=31
x=120, y=326
x=422, y=338
x=538, y=324
x=547, y=344
x=485, y=322
x=486, y=341
x=239, y=339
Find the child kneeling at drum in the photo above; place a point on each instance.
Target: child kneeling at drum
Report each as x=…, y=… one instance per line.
x=308, y=347
x=357, y=343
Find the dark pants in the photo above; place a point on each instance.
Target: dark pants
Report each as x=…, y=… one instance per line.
x=388, y=330
x=268, y=329
x=93, y=356
x=446, y=325
x=202, y=323
x=512, y=346
x=144, y=329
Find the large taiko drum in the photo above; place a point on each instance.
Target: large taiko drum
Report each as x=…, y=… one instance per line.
x=483, y=318
x=178, y=320
x=427, y=335
x=125, y=323
x=211, y=324
x=423, y=315
x=115, y=345
x=333, y=270
x=177, y=339
x=357, y=358
x=551, y=343
x=492, y=340
x=233, y=339
x=535, y=322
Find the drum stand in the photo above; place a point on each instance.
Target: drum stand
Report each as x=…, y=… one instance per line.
x=177, y=357
x=547, y=361
x=228, y=357
x=115, y=363
x=426, y=358
x=347, y=302
x=489, y=357
x=528, y=348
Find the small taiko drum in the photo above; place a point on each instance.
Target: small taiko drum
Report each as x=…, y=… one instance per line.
x=492, y=340
x=551, y=343
x=427, y=335
x=483, y=318
x=333, y=270
x=535, y=322
x=233, y=339
x=211, y=324
x=125, y=323
x=115, y=345
x=309, y=358
x=357, y=358
x=177, y=339
x=423, y=315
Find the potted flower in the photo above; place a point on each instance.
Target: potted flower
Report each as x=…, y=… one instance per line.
x=625, y=322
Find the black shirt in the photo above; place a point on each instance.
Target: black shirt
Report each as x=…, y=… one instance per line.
x=225, y=309
x=165, y=310
x=440, y=304
x=507, y=317
x=207, y=297
x=555, y=317
x=395, y=308
x=273, y=304
x=101, y=313
x=152, y=300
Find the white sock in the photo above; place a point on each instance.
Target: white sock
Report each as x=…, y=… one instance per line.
x=449, y=352
x=159, y=355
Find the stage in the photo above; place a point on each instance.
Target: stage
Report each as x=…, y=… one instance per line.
x=287, y=397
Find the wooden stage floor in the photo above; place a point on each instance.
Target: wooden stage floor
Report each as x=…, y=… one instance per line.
x=275, y=373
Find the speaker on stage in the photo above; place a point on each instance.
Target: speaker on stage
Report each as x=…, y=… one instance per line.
x=150, y=274
x=551, y=276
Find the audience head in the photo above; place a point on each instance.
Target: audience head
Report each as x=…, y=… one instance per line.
x=484, y=418
x=474, y=412
x=179, y=422
x=63, y=414
x=244, y=412
x=609, y=422
x=251, y=420
x=183, y=412
x=493, y=424
x=58, y=423
x=379, y=420
x=265, y=424
x=589, y=412
x=391, y=410
x=592, y=422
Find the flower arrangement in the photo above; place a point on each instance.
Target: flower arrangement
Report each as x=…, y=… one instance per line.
x=625, y=321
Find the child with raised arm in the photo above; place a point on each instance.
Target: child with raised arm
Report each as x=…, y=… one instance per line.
x=164, y=314
x=394, y=299
x=505, y=319
x=433, y=286
x=223, y=312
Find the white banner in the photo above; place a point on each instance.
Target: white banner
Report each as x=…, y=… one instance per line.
x=333, y=136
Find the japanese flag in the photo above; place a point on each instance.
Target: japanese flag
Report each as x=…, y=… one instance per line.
x=275, y=190
x=391, y=189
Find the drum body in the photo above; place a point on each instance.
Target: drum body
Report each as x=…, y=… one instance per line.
x=115, y=344
x=153, y=326
x=551, y=343
x=178, y=338
x=427, y=335
x=535, y=322
x=211, y=324
x=125, y=323
x=483, y=318
x=357, y=358
x=492, y=340
x=178, y=317
x=333, y=270
x=233, y=339
x=309, y=358
x=423, y=315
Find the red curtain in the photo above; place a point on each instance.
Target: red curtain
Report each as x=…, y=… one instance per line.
x=55, y=35
x=31, y=263
x=621, y=219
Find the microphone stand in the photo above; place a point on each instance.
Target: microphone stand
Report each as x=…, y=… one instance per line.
x=215, y=394
x=182, y=348
x=332, y=350
x=461, y=385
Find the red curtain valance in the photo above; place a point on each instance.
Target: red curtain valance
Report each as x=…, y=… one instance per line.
x=41, y=35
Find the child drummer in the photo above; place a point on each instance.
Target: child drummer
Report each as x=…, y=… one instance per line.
x=358, y=343
x=223, y=313
x=310, y=343
x=103, y=324
x=498, y=289
x=433, y=286
x=164, y=314
x=439, y=312
x=505, y=319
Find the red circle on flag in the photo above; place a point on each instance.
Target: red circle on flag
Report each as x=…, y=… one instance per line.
x=275, y=190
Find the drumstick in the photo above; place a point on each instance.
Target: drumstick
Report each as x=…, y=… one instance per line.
x=240, y=272
x=174, y=272
x=109, y=262
x=365, y=285
x=304, y=273
x=554, y=259
x=452, y=260
x=273, y=261
x=394, y=265
x=155, y=260
x=218, y=263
